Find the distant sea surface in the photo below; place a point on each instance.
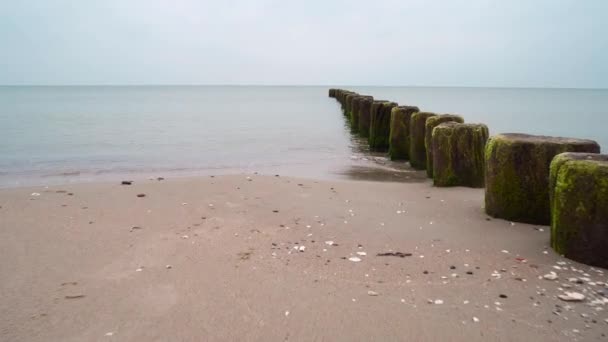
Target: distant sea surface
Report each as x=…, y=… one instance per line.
x=54, y=135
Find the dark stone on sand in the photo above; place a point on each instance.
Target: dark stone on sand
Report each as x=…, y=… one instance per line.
x=417, y=134
x=431, y=123
x=126, y=182
x=458, y=154
x=395, y=254
x=141, y=195
x=579, y=207
x=399, y=138
x=380, y=125
x=517, y=174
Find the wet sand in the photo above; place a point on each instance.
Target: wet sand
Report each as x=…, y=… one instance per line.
x=264, y=258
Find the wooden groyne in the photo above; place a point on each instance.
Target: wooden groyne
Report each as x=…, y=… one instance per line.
x=562, y=182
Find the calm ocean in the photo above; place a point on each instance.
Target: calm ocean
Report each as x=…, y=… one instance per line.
x=51, y=135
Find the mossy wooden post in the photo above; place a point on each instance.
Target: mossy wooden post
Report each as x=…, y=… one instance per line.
x=431, y=123
x=417, y=136
x=342, y=99
x=517, y=174
x=332, y=92
x=365, y=107
x=373, y=110
x=579, y=207
x=345, y=99
x=349, y=104
x=399, y=138
x=380, y=126
x=339, y=94
x=354, y=114
x=355, y=111
x=458, y=154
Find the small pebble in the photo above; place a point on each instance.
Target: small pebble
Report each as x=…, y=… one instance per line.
x=572, y=297
x=550, y=276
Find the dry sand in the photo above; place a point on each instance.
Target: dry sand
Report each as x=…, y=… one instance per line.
x=218, y=259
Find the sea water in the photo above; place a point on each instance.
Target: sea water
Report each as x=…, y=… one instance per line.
x=63, y=134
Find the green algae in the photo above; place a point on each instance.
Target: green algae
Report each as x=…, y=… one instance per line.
x=431, y=123
x=579, y=209
x=517, y=174
x=355, y=112
x=365, y=106
x=399, y=136
x=348, y=104
x=417, y=151
x=380, y=121
x=458, y=154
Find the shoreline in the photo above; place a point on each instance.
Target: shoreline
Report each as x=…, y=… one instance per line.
x=362, y=166
x=215, y=258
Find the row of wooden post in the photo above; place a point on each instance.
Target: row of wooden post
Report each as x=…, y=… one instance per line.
x=532, y=179
x=449, y=150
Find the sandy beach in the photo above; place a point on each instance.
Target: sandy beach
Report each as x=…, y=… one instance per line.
x=271, y=258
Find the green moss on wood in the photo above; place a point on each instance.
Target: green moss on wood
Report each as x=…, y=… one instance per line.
x=554, y=169
x=579, y=223
x=343, y=99
x=348, y=104
x=365, y=106
x=379, y=125
x=417, y=135
x=355, y=111
x=458, y=154
x=431, y=123
x=517, y=174
x=399, y=137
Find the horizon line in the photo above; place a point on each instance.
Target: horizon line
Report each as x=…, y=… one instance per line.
x=296, y=85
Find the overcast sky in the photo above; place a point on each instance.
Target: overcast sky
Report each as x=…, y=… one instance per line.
x=513, y=43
